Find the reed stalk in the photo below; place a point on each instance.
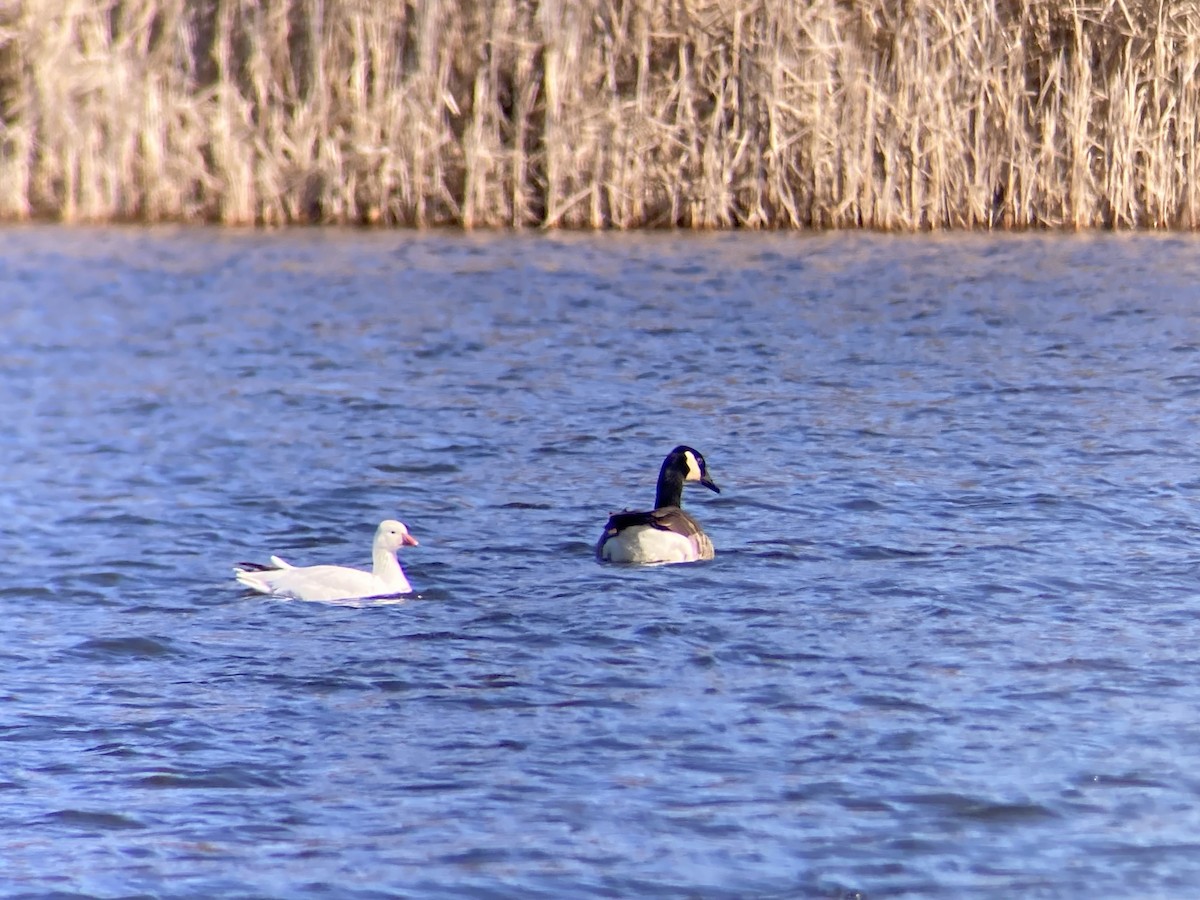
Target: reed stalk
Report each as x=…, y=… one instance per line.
x=885, y=114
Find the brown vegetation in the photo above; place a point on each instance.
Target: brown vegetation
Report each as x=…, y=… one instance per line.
x=890, y=114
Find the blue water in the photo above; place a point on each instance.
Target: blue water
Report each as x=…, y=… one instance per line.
x=947, y=647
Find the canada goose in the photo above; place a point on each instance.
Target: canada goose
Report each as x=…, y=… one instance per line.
x=336, y=582
x=665, y=534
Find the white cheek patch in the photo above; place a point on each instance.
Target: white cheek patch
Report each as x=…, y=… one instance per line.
x=693, y=470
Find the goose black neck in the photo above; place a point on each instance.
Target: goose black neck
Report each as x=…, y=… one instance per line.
x=670, y=486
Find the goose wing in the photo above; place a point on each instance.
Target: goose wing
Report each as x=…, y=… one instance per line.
x=665, y=518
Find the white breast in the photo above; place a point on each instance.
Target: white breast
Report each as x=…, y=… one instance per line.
x=645, y=544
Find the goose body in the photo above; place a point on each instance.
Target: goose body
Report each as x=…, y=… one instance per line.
x=386, y=577
x=665, y=534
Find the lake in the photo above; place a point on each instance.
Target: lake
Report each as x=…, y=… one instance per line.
x=947, y=647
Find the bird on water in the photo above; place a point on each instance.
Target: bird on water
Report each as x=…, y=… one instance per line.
x=665, y=534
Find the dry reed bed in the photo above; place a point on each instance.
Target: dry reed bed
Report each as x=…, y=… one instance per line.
x=890, y=114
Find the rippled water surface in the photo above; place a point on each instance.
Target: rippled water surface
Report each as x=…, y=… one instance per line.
x=947, y=648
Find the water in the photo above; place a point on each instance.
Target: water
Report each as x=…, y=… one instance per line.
x=946, y=649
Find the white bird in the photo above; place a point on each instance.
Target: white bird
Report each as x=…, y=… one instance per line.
x=336, y=582
x=665, y=534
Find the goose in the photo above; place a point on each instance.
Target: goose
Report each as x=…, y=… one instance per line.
x=336, y=582
x=665, y=534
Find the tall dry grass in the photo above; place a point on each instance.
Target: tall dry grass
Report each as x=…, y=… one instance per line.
x=890, y=114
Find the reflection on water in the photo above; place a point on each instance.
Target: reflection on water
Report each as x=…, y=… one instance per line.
x=945, y=648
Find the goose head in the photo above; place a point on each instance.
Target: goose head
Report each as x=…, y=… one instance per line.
x=690, y=464
x=392, y=535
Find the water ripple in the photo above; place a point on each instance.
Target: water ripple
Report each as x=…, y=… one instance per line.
x=943, y=651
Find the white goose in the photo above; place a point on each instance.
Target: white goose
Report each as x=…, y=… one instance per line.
x=336, y=582
x=665, y=534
